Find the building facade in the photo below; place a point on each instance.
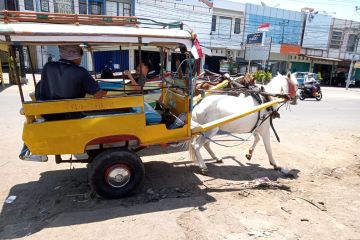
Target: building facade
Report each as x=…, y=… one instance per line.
x=195, y=15
x=301, y=41
x=285, y=31
x=226, y=33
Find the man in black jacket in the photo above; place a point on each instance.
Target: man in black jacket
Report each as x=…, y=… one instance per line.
x=64, y=79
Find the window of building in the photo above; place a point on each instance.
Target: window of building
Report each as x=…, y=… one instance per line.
x=29, y=5
x=2, y=5
x=237, y=25
x=225, y=24
x=127, y=9
x=111, y=8
x=44, y=5
x=95, y=8
x=336, y=39
x=120, y=9
x=82, y=6
x=351, y=43
x=64, y=6
x=213, y=23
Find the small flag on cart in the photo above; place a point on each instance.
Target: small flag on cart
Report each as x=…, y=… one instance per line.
x=264, y=27
x=196, y=50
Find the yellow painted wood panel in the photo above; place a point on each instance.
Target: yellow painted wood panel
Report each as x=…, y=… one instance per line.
x=78, y=105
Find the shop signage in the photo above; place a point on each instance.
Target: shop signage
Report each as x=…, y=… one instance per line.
x=290, y=49
x=254, y=38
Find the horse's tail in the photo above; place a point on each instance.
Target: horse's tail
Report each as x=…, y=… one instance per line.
x=191, y=141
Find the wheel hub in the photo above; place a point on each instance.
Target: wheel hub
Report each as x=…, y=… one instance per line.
x=118, y=175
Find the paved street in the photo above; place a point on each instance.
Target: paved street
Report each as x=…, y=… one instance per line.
x=320, y=199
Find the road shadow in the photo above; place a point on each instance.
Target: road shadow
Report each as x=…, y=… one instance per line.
x=3, y=87
x=310, y=100
x=167, y=186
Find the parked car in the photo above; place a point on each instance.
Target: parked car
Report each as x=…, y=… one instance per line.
x=351, y=82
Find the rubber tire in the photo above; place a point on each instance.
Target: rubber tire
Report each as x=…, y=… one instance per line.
x=318, y=98
x=108, y=158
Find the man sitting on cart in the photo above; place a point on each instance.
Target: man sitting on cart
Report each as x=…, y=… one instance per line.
x=64, y=79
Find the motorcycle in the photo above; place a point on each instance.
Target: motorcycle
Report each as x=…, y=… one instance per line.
x=310, y=91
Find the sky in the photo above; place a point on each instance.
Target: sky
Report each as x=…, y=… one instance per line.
x=343, y=9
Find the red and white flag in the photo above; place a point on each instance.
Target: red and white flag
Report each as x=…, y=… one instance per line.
x=264, y=27
x=196, y=50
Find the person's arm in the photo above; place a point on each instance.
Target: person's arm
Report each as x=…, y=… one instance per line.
x=100, y=94
x=134, y=84
x=91, y=86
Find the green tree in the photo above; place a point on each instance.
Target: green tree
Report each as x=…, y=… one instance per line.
x=262, y=76
x=319, y=77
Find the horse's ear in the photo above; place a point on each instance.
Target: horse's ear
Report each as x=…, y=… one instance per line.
x=288, y=75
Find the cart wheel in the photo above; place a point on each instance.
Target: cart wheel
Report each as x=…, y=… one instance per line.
x=115, y=173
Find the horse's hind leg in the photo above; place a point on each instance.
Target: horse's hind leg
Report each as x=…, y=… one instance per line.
x=265, y=135
x=212, y=154
x=207, y=145
x=251, y=149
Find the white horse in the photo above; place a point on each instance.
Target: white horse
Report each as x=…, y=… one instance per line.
x=215, y=107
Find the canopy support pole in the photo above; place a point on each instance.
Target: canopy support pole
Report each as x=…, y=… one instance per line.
x=31, y=65
x=93, y=61
x=140, y=61
x=122, y=70
x=16, y=69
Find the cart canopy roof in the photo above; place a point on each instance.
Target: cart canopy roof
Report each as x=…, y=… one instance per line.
x=57, y=34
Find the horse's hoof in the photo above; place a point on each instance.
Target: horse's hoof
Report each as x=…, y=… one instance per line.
x=248, y=156
x=277, y=168
x=204, y=171
x=219, y=160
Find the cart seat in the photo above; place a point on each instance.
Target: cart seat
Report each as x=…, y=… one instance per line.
x=151, y=115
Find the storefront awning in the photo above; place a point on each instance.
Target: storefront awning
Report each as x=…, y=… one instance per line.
x=324, y=58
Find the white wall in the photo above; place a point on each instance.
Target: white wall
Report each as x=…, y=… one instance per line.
x=195, y=14
x=347, y=27
x=232, y=41
x=229, y=5
x=317, y=31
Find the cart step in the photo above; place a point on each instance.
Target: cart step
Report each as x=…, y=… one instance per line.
x=36, y=158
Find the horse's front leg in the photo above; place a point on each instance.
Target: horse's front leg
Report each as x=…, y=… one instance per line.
x=196, y=145
x=251, y=149
x=265, y=135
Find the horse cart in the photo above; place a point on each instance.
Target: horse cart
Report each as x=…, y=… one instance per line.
x=117, y=126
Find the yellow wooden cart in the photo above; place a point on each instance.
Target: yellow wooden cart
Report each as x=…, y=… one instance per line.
x=115, y=127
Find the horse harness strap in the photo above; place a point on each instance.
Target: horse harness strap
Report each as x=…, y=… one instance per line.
x=271, y=112
x=260, y=100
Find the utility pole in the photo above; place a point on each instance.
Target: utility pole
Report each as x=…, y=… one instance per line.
x=352, y=62
x=283, y=23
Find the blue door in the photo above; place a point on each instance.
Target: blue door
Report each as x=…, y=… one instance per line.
x=120, y=59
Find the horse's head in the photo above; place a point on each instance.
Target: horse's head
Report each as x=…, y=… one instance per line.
x=292, y=87
x=284, y=84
